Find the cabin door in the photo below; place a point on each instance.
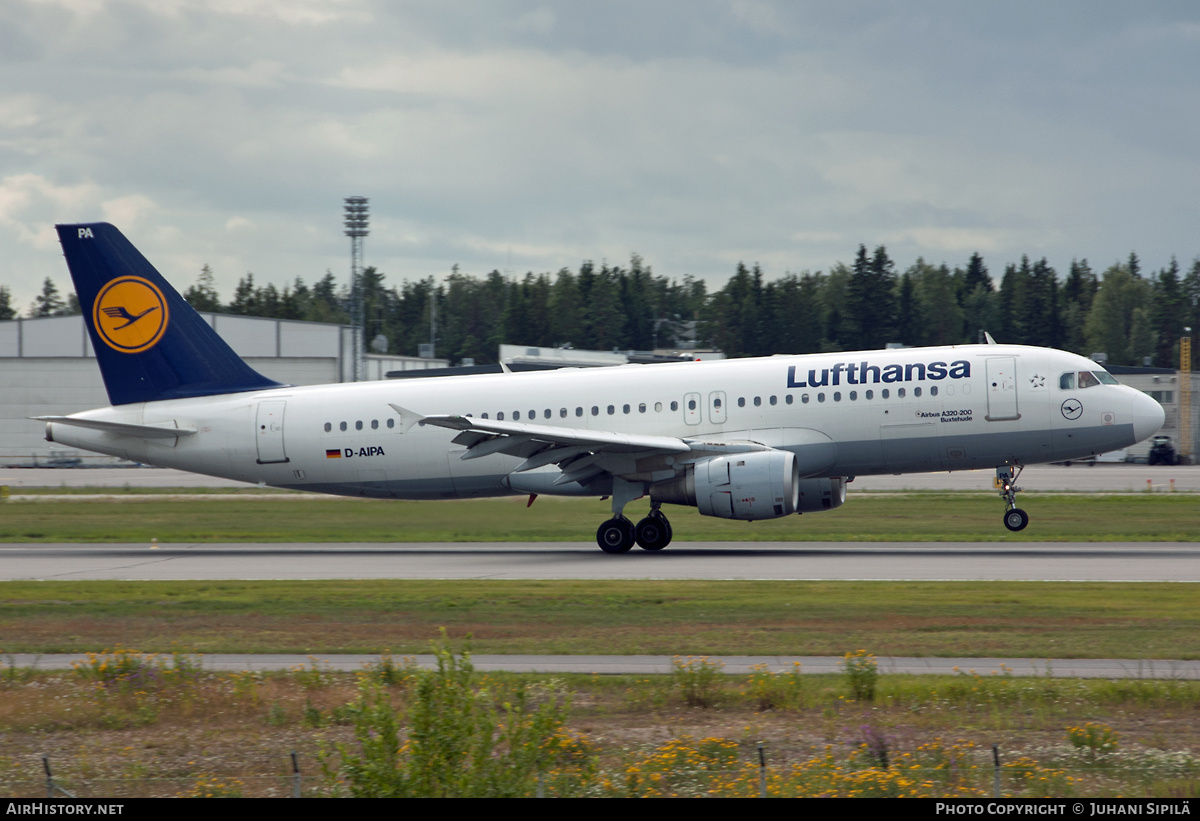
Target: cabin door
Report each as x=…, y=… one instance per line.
x=1002, y=388
x=269, y=432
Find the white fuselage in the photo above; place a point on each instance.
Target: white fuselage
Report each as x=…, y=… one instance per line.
x=842, y=414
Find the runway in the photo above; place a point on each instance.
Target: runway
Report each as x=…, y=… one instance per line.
x=948, y=561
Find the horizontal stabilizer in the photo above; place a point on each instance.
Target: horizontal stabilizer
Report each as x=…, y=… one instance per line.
x=122, y=428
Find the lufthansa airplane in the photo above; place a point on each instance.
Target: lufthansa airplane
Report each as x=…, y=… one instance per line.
x=739, y=439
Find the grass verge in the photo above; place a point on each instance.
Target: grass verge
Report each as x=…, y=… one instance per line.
x=970, y=619
x=969, y=517
x=147, y=731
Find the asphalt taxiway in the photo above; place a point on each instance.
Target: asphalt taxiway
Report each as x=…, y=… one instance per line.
x=657, y=665
x=946, y=561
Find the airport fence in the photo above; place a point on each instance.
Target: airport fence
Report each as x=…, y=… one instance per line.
x=687, y=767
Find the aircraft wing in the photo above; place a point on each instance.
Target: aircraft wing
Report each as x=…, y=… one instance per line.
x=581, y=453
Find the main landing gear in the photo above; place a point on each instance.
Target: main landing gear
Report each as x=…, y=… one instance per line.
x=618, y=534
x=1014, y=518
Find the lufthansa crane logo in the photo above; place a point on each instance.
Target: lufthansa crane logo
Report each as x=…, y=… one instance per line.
x=130, y=314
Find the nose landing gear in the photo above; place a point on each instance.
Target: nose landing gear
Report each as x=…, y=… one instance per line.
x=1014, y=518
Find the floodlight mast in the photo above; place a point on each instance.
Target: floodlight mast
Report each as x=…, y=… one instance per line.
x=357, y=217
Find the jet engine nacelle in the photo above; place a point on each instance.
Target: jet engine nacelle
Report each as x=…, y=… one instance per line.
x=748, y=486
x=821, y=494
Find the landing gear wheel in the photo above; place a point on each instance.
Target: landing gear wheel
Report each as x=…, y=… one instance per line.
x=616, y=535
x=1016, y=519
x=653, y=532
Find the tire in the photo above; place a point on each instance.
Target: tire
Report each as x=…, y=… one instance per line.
x=1016, y=519
x=653, y=533
x=615, y=536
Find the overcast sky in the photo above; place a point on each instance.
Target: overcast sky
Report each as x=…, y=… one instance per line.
x=534, y=135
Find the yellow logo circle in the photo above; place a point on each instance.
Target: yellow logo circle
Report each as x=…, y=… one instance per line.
x=130, y=314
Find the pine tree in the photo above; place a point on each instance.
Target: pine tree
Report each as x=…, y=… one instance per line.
x=203, y=295
x=48, y=302
x=7, y=311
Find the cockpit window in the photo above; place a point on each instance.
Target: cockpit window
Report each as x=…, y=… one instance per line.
x=1086, y=380
x=1067, y=381
x=1105, y=377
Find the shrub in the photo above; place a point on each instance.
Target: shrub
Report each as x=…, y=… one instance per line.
x=698, y=680
x=460, y=737
x=862, y=674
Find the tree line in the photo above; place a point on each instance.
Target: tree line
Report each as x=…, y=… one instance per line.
x=1132, y=315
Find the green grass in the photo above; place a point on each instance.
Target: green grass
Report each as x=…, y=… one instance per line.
x=865, y=517
x=1065, y=620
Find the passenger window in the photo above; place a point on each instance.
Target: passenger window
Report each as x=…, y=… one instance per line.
x=837, y=396
x=674, y=406
x=516, y=415
x=358, y=425
x=547, y=413
x=579, y=411
x=328, y=427
x=642, y=407
x=916, y=391
x=773, y=400
x=500, y=416
x=886, y=393
x=804, y=399
x=391, y=423
x=870, y=394
x=757, y=401
x=741, y=401
x=788, y=399
x=625, y=409
x=658, y=407
x=612, y=409
x=342, y=426
x=562, y=413
x=933, y=391
x=853, y=395
x=374, y=424
x=595, y=410
x=691, y=404
x=820, y=397
x=900, y=393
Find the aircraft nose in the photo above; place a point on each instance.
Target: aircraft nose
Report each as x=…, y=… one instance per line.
x=1148, y=416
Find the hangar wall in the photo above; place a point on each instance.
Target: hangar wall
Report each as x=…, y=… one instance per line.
x=48, y=368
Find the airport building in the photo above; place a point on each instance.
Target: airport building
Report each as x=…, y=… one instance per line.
x=48, y=368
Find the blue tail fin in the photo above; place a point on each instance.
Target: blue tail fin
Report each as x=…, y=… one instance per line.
x=149, y=342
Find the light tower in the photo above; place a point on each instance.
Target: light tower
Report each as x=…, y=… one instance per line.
x=356, y=220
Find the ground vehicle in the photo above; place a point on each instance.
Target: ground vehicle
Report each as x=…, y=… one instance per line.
x=1162, y=452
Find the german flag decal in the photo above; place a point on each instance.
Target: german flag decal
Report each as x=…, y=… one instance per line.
x=335, y=453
